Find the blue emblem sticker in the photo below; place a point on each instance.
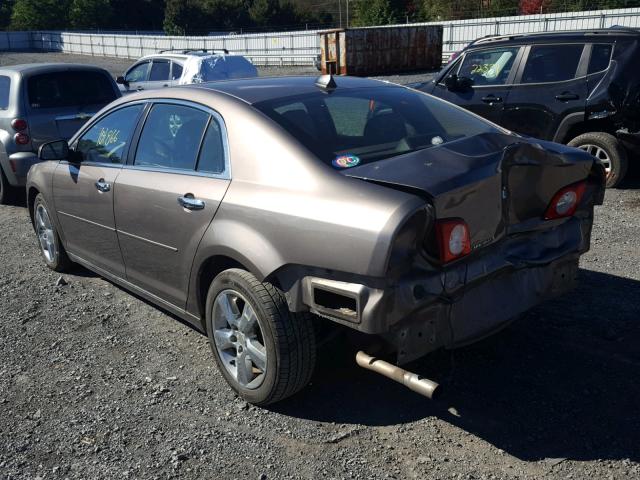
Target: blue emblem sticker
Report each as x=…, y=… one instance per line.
x=346, y=160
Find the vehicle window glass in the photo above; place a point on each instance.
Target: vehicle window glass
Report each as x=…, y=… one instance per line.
x=5, y=83
x=369, y=124
x=600, y=57
x=107, y=139
x=488, y=67
x=138, y=73
x=68, y=89
x=552, y=63
x=159, y=70
x=212, y=156
x=171, y=137
x=177, y=71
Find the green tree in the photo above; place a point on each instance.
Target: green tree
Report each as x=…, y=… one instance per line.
x=39, y=15
x=379, y=12
x=90, y=14
x=6, y=7
x=183, y=17
x=137, y=14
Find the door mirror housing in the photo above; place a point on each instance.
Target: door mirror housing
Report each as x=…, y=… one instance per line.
x=56, y=150
x=457, y=84
x=121, y=80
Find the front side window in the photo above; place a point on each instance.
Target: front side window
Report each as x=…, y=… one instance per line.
x=488, y=67
x=138, y=73
x=171, y=137
x=552, y=63
x=369, y=124
x=5, y=83
x=600, y=58
x=69, y=89
x=106, y=140
x=159, y=70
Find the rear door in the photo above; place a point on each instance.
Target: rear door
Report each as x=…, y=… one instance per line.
x=491, y=71
x=83, y=189
x=167, y=196
x=159, y=74
x=60, y=103
x=550, y=85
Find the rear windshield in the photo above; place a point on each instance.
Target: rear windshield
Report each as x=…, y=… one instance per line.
x=5, y=82
x=355, y=126
x=67, y=89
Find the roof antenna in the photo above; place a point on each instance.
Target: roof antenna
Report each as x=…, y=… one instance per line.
x=326, y=82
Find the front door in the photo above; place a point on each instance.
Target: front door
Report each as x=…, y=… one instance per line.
x=137, y=76
x=168, y=195
x=491, y=71
x=550, y=85
x=83, y=189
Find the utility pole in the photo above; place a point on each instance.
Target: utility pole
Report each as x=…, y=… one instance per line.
x=340, y=10
x=347, y=13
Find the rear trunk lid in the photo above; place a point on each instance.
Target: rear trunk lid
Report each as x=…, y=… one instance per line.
x=60, y=102
x=496, y=182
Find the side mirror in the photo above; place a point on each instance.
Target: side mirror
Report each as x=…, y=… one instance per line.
x=451, y=82
x=121, y=80
x=56, y=150
x=464, y=83
x=457, y=84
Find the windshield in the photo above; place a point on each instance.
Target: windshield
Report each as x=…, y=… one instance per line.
x=70, y=88
x=355, y=126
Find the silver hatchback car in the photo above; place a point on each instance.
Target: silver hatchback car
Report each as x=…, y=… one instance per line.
x=40, y=103
x=264, y=211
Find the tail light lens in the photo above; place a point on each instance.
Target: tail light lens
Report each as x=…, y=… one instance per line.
x=565, y=202
x=19, y=124
x=21, y=138
x=453, y=239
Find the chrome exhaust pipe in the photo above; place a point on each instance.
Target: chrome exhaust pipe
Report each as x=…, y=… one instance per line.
x=412, y=381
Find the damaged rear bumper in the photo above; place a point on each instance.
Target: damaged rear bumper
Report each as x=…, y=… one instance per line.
x=429, y=308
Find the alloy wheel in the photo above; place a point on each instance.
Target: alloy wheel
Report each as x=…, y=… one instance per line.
x=600, y=154
x=238, y=339
x=46, y=235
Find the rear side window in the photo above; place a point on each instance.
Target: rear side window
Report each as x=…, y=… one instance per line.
x=68, y=89
x=177, y=71
x=159, y=70
x=212, y=155
x=488, y=67
x=5, y=83
x=106, y=140
x=552, y=63
x=600, y=57
x=171, y=137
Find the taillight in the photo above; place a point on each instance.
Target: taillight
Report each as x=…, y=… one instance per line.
x=21, y=138
x=19, y=124
x=565, y=202
x=453, y=239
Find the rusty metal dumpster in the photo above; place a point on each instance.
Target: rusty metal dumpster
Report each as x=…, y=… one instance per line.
x=381, y=50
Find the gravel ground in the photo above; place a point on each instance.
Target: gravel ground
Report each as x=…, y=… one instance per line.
x=96, y=383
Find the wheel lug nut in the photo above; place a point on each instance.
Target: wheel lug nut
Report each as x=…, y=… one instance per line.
x=240, y=348
x=233, y=339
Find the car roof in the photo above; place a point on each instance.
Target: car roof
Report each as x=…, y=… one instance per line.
x=183, y=56
x=259, y=89
x=569, y=35
x=35, y=68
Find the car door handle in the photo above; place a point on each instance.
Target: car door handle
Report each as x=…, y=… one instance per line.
x=491, y=99
x=103, y=186
x=139, y=89
x=566, y=96
x=190, y=203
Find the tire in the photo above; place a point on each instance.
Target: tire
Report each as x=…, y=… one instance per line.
x=6, y=190
x=280, y=352
x=608, y=149
x=51, y=248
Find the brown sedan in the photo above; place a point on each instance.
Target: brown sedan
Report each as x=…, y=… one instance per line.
x=261, y=210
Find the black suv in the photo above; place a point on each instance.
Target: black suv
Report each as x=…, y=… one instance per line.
x=581, y=88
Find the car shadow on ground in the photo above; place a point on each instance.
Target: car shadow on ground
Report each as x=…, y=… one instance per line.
x=563, y=382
